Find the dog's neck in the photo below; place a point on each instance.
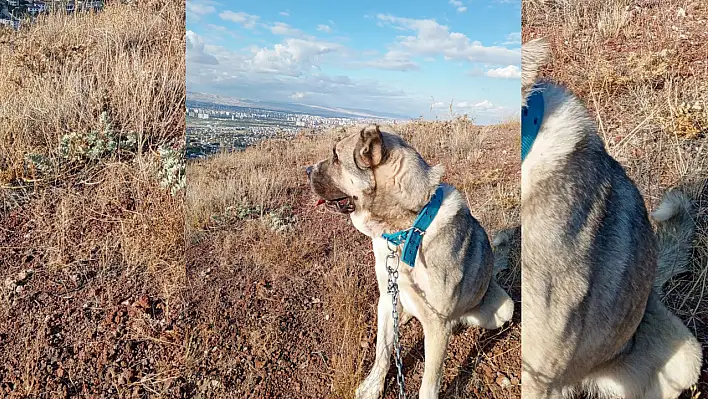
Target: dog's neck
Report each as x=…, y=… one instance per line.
x=386, y=214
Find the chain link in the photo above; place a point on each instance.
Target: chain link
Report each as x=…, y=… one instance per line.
x=392, y=262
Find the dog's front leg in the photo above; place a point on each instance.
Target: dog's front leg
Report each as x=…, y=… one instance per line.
x=437, y=335
x=373, y=385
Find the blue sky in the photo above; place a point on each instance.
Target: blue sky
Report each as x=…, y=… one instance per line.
x=403, y=57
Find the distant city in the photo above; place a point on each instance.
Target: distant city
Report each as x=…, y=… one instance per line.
x=14, y=13
x=213, y=128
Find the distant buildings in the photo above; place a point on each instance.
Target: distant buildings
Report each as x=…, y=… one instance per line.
x=284, y=118
x=13, y=12
x=36, y=8
x=13, y=23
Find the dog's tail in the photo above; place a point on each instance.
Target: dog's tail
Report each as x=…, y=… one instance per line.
x=504, y=244
x=676, y=227
x=534, y=55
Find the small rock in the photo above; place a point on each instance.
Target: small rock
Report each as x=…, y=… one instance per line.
x=503, y=381
x=23, y=275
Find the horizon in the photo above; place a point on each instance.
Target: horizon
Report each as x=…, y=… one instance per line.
x=407, y=59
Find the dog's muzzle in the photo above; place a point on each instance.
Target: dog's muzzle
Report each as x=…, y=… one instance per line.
x=343, y=204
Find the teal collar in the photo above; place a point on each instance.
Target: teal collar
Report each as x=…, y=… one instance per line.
x=412, y=237
x=531, y=119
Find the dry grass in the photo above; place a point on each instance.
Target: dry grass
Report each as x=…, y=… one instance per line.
x=63, y=71
x=88, y=101
x=641, y=69
x=232, y=200
x=60, y=75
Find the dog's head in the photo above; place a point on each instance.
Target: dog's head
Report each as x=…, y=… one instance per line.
x=347, y=174
x=376, y=171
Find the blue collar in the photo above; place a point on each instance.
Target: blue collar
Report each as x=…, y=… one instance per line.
x=413, y=236
x=531, y=119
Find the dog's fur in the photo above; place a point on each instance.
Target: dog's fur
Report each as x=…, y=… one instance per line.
x=384, y=183
x=590, y=319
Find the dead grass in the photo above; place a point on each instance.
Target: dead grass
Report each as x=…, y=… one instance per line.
x=91, y=106
x=60, y=75
x=641, y=69
x=229, y=198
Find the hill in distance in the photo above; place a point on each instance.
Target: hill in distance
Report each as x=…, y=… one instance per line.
x=194, y=98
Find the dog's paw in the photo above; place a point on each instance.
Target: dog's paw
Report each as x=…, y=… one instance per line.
x=371, y=388
x=496, y=308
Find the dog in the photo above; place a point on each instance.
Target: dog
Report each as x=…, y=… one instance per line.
x=592, y=322
x=382, y=183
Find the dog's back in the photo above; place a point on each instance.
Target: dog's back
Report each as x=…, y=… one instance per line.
x=588, y=250
x=589, y=256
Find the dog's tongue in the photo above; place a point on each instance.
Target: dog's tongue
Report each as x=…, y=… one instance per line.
x=320, y=202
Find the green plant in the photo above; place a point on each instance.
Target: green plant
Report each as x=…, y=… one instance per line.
x=172, y=169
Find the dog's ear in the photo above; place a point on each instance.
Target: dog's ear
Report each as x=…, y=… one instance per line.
x=370, y=151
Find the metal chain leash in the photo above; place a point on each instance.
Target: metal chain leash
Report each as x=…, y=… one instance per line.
x=392, y=262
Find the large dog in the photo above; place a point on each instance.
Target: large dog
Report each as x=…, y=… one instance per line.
x=383, y=183
x=591, y=321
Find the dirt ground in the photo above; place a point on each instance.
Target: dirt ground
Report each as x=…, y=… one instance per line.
x=92, y=264
x=292, y=314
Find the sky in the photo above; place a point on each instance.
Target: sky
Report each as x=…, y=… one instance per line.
x=414, y=58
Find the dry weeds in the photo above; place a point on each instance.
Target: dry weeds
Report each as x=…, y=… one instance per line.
x=91, y=243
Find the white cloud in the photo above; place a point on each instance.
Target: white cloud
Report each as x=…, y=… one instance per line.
x=199, y=8
x=393, y=60
x=508, y=72
x=283, y=29
x=196, y=52
x=291, y=57
x=485, y=111
x=482, y=105
x=438, y=104
x=284, y=14
x=247, y=20
x=458, y=5
x=314, y=88
x=486, y=104
x=433, y=39
x=324, y=28
x=513, y=38
x=392, y=65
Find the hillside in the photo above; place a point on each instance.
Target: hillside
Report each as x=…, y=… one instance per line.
x=91, y=225
x=285, y=294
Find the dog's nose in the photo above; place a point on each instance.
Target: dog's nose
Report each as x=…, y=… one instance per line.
x=308, y=170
